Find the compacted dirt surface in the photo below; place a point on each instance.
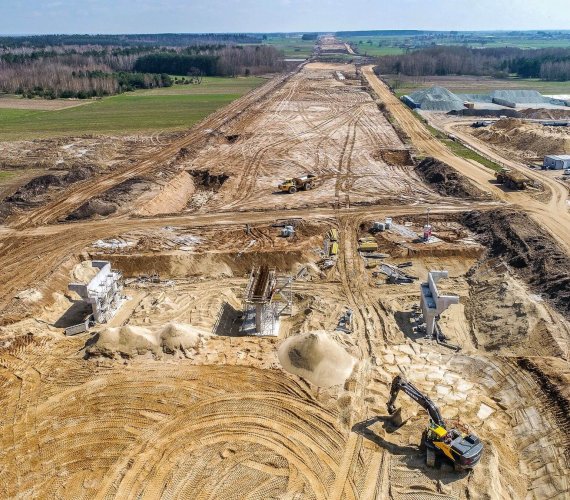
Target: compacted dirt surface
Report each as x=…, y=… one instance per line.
x=169, y=399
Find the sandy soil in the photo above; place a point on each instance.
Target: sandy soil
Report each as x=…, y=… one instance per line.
x=120, y=412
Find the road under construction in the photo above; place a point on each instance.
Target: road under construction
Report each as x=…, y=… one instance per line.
x=216, y=415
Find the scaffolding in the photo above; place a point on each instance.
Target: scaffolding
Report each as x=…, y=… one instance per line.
x=267, y=297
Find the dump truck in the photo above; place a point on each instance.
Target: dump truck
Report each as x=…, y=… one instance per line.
x=513, y=179
x=305, y=182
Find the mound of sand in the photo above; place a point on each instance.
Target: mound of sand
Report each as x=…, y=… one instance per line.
x=30, y=295
x=130, y=341
x=316, y=357
x=530, y=139
x=84, y=272
x=546, y=114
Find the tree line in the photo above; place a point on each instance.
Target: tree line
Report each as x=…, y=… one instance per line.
x=226, y=61
x=85, y=72
x=548, y=64
x=161, y=39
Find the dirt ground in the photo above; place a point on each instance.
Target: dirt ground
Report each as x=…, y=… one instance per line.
x=526, y=140
x=222, y=416
x=12, y=102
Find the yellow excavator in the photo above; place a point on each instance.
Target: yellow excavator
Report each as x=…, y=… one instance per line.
x=463, y=450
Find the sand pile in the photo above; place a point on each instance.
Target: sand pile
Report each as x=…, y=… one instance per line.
x=546, y=114
x=316, y=357
x=84, y=272
x=529, y=139
x=130, y=341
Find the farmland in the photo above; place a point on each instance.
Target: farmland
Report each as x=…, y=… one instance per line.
x=403, y=84
x=292, y=46
x=168, y=108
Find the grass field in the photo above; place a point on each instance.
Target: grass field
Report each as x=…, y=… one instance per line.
x=293, y=47
x=5, y=175
x=473, y=85
x=374, y=46
x=169, y=108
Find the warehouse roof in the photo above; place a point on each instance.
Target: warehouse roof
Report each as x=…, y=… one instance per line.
x=558, y=157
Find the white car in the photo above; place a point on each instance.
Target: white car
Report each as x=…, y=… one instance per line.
x=566, y=171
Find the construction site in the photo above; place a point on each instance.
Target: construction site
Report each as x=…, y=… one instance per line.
x=306, y=295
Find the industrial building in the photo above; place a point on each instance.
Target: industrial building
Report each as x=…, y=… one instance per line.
x=103, y=292
x=556, y=162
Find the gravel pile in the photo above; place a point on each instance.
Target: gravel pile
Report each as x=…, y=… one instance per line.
x=437, y=99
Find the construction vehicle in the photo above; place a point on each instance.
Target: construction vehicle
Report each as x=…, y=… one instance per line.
x=462, y=449
x=333, y=250
x=295, y=184
x=513, y=179
x=333, y=234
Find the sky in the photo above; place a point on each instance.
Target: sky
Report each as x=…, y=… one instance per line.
x=205, y=16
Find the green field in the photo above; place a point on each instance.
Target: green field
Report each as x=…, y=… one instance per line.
x=382, y=45
x=293, y=47
x=473, y=84
x=176, y=107
x=6, y=174
x=524, y=43
x=374, y=46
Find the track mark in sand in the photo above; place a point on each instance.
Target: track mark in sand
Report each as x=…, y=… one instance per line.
x=376, y=476
x=343, y=486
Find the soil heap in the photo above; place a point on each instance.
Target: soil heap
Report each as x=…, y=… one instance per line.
x=84, y=272
x=446, y=180
x=316, y=357
x=528, y=139
x=517, y=240
x=130, y=341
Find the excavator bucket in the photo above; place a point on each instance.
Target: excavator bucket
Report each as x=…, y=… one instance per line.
x=396, y=419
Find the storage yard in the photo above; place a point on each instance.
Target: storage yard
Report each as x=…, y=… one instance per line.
x=255, y=331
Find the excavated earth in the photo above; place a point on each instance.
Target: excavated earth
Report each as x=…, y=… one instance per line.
x=170, y=399
x=526, y=139
x=447, y=181
x=527, y=249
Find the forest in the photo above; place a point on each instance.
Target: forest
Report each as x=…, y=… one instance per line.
x=85, y=71
x=161, y=39
x=552, y=64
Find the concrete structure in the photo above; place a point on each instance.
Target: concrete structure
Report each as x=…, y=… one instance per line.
x=103, y=292
x=267, y=297
x=557, y=162
x=432, y=303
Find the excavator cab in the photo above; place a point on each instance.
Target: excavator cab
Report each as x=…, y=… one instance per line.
x=463, y=450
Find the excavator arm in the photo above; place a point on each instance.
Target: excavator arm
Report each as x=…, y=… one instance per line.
x=401, y=384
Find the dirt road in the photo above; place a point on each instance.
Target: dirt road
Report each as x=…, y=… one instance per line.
x=550, y=215
x=559, y=192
